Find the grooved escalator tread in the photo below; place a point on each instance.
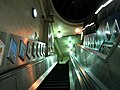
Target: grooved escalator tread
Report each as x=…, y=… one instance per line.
x=58, y=79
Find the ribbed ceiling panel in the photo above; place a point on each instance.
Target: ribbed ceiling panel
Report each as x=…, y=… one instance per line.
x=75, y=10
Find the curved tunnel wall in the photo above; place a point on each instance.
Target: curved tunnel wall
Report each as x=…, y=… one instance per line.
x=16, y=22
x=16, y=18
x=19, y=71
x=105, y=37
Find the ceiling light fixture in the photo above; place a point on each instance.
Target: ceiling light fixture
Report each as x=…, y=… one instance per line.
x=34, y=13
x=59, y=34
x=81, y=35
x=70, y=45
x=88, y=25
x=102, y=6
x=77, y=31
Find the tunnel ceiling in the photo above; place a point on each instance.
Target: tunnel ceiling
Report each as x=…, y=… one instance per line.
x=75, y=10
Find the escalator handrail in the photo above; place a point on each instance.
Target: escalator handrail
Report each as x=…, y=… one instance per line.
x=101, y=55
x=84, y=77
x=78, y=75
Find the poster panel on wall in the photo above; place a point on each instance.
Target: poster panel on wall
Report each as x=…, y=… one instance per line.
x=2, y=46
x=29, y=49
x=22, y=50
x=34, y=49
x=37, y=49
x=12, y=50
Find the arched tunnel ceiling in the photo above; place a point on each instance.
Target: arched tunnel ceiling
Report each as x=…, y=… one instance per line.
x=70, y=14
x=75, y=10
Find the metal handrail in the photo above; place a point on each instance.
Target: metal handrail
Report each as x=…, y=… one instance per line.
x=84, y=76
x=101, y=55
x=77, y=74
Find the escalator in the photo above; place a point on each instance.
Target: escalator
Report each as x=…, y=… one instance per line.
x=57, y=79
x=68, y=76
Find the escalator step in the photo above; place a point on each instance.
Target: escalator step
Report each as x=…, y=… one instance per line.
x=65, y=81
x=58, y=79
x=56, y=84
x=65, y=87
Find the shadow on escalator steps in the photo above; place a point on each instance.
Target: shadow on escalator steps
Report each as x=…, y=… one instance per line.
x=57, y=79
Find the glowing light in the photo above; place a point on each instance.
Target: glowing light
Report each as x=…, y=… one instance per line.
x=77, y=30
x=70, y=45
x=59, y=34
x=34, y=11
x=102, y=6
x=81, y=35
x=88, y=25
